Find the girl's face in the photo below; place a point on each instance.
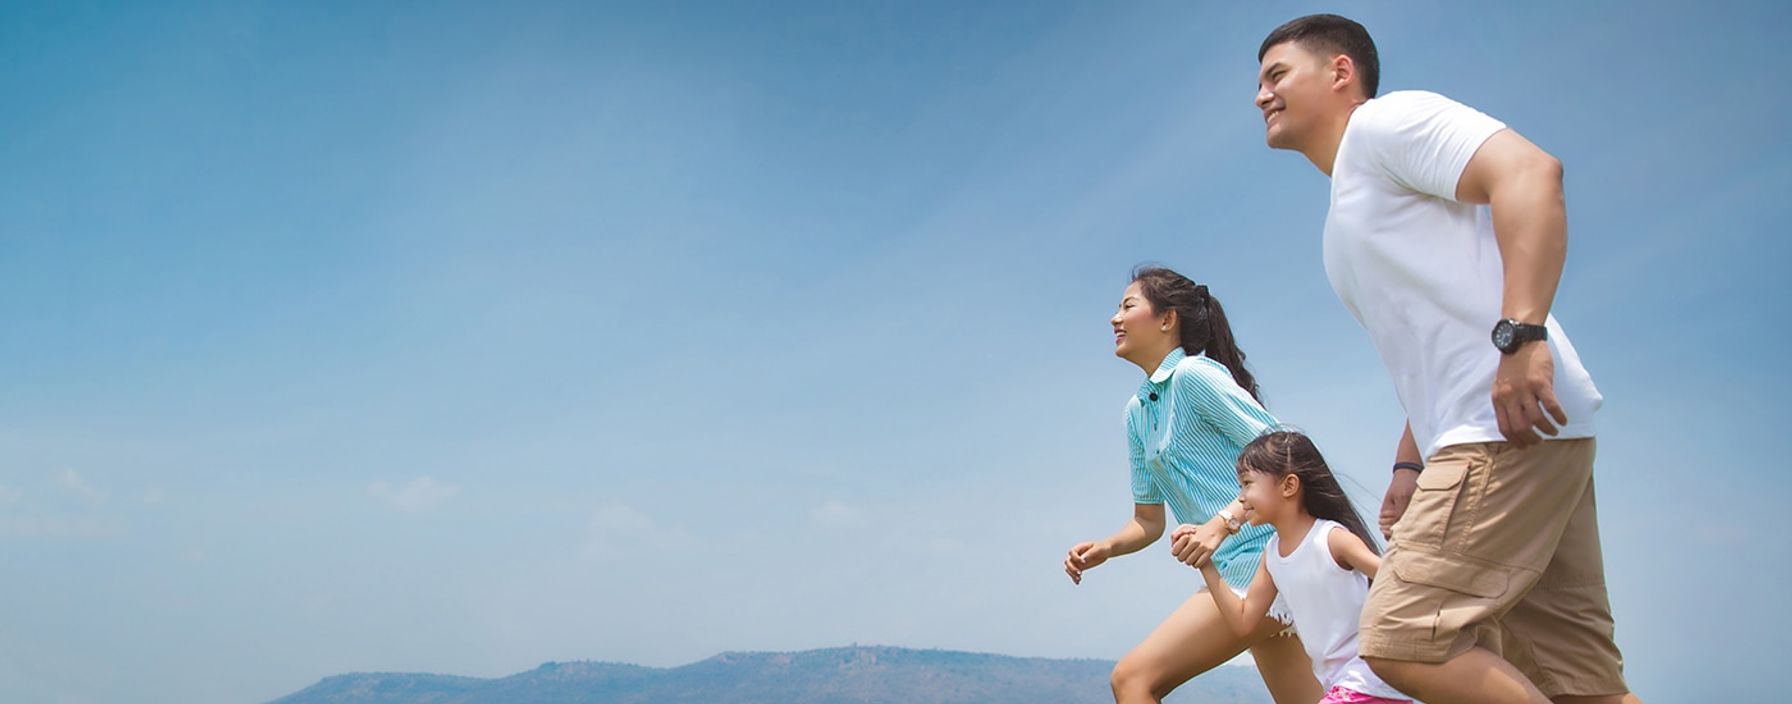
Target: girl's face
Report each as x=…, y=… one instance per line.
x=1266, y=498
x=1139, y=332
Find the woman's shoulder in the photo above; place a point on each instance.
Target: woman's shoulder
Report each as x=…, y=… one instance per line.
x=1198, y=369
x=1200, y=363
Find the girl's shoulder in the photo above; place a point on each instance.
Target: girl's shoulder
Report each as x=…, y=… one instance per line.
x=1336, y=537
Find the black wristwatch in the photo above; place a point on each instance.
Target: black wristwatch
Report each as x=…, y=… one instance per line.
x=1509, y=335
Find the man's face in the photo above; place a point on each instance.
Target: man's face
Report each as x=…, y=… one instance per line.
x=1293, y=91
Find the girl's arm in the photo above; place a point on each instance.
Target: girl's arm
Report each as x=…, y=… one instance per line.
x=1146, y=526
x=1351, y=553
x=1192, y=544
x=1241, y=616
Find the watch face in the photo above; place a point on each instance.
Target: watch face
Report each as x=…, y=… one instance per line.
x=1502, y=335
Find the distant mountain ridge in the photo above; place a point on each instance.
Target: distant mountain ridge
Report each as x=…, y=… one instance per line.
x=851, y=675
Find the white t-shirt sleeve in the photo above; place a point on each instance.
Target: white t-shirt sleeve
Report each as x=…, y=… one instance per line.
x=1422, y=140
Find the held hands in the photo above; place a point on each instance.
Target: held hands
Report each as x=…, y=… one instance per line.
x=1193, y=545
x=1523, y=388
x=1086, y=556
x=1393, y=506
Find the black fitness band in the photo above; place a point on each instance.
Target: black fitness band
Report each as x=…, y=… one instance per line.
x=1414, y=466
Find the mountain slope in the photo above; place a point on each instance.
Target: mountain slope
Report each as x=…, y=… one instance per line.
x=856, y=675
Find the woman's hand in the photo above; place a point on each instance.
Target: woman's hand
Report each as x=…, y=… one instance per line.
x=1086, y=556
x=1193, y=545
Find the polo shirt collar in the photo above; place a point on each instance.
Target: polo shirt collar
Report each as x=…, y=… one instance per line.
x=1165, y=368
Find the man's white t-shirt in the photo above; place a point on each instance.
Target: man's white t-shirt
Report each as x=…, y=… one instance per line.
x=1421, y=271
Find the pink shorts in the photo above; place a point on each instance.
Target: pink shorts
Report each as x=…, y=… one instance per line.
x=1340, y=695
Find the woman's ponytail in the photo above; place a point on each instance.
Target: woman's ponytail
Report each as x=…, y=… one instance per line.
x=1204, y=329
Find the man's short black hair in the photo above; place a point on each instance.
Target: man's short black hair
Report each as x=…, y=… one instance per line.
x=1334, y=35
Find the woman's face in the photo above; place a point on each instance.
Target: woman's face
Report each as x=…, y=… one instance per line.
x=1139, y=332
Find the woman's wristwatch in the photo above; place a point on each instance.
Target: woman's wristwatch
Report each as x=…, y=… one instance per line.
x=1232, y=523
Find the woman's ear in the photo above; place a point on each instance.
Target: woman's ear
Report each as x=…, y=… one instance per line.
x=1168, y=321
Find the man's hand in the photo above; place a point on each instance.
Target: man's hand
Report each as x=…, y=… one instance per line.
x=1393, y=506
x=1523, y=389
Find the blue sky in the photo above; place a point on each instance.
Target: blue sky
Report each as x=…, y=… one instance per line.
x=458, y=338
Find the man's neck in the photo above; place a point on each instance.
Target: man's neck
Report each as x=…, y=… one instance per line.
x=1324, y=152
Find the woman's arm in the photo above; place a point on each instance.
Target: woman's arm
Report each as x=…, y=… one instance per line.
x=1146, y=526
x=1242, y=616
x=1227, y=410
x=1221, y=402
x=1351, y=553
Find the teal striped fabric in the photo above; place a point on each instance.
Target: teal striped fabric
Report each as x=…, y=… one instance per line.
x=1185, y=428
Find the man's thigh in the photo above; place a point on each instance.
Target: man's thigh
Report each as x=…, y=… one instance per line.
x=1560, y=634
x=1483, y=526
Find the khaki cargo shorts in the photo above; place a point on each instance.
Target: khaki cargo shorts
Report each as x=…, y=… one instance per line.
x=1500, y=548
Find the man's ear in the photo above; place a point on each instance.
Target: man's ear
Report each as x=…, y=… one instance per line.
x=1343, y=71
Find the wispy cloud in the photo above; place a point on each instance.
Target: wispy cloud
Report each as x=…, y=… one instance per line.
x=421, y=495
x=837, y=514
x=60, y=526
x=78, y=486
x=617, y=527
x=945, y=545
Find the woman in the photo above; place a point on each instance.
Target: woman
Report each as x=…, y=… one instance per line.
x=1194, y=412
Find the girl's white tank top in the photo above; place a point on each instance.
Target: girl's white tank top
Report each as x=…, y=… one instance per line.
x=1327, y=603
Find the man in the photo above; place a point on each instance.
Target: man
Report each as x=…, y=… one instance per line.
x=1445, y=229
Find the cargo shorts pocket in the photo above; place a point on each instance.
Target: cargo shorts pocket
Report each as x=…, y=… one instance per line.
x=1464, y=593
x=1435, y=503
x=1459, y=574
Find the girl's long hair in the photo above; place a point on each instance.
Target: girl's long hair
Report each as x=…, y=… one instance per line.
x=1204, y=329
x=1281, y=452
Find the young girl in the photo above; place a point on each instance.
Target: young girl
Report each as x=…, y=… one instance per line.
x=1319, y=561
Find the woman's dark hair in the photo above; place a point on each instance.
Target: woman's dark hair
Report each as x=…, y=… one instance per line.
x=1279, y=453
x=1204, y=328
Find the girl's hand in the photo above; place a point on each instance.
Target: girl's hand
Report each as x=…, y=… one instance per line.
x=1085, y=556
x=1193, y=545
